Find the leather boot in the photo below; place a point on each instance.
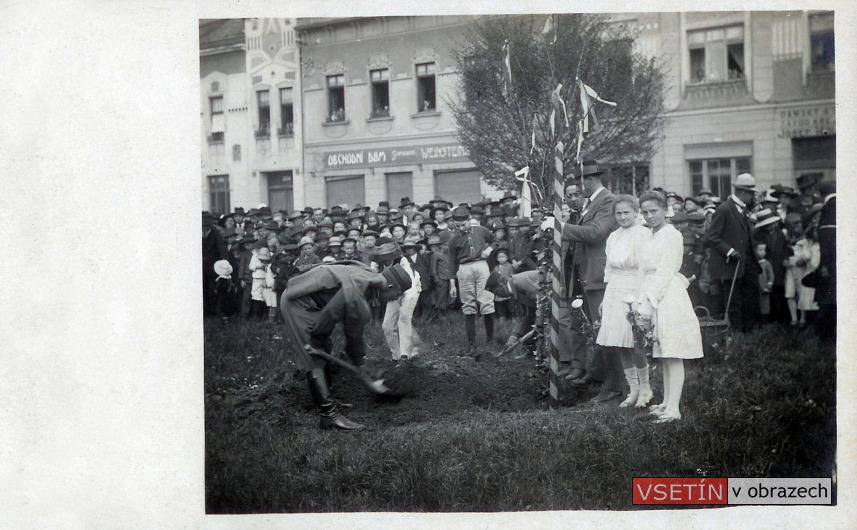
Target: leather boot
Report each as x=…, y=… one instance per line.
x=328, y=410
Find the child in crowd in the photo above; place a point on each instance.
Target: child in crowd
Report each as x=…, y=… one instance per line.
x=308, y=257
x=766, y=279
x=258, y=269
x=503, y=305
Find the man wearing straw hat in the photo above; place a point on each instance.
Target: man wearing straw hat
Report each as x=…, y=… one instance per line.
x=732, y=258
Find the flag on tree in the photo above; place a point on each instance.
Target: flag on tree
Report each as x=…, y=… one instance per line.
x=506, y=69
x=549, y=31
x=587, y=94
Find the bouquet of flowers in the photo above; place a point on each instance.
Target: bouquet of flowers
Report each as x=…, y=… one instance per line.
x=586, y=328
x=643, y=336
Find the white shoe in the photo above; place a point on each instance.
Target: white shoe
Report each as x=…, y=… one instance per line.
x=668, y=416
x=658, y=410
x=644, y=398
x=630, y=400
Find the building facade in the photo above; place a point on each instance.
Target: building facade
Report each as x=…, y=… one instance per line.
x=356, y=110
x=250, y=108
x=377, y=122
x=748, y=91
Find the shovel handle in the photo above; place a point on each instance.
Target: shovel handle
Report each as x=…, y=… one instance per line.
x=375, y=386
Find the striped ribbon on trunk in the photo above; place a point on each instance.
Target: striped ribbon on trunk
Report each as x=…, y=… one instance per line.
x=556, y=297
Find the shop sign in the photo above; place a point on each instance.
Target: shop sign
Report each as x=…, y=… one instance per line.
x=396, y=156
x=807, y=121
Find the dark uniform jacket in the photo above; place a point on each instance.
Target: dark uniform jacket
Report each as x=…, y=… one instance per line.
x=588, y=240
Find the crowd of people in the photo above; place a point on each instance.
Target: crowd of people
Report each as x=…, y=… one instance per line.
x=757, y=256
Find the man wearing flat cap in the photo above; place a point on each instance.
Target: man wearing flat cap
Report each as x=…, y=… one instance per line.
x=314, y=303
x=587, y=258
x=730, y=239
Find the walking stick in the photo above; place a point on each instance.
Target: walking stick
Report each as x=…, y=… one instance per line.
x=731, y=289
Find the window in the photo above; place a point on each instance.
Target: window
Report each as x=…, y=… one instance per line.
x=459, y=186
x=218, y=121
x=349, y=189
x=280, y=190
x=287, y=113
x=399, y=185
x=218, y=193
x=336, y=97
x=630, y=179
x=264, y=113
x=821, y=42
x=425, y=87
x=380, y=92
x=716, y=55
x=716, y=174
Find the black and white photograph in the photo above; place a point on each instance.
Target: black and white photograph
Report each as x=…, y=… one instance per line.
x=511, y=262
x=378, y=264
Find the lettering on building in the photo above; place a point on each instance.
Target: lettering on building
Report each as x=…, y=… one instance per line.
x=805, y=122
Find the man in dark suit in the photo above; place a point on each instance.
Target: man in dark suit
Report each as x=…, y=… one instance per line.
x=730, y=239
x=587, y=241
x=825, y=293
x=213, y=250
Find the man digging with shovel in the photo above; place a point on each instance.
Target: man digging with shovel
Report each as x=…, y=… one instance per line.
x=314, y=303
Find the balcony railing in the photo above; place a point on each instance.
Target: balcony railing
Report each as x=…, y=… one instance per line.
x=215, y=138
x=288, y=130
x=263, y=133
x=716, y=91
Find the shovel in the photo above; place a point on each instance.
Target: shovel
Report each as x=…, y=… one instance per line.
x=375, y=385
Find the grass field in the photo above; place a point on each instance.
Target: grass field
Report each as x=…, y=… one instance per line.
x=479, y=436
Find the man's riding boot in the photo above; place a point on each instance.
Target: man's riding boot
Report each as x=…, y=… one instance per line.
x=330, y=417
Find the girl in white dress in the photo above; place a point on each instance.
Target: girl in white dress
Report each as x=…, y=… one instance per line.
x=664, y=304
x=623, y=276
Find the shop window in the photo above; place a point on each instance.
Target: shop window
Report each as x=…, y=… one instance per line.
x=380, y=92
x=458, y=186
x=716, y=55
x=336, y=97
x=821, y=42
x=426, y=98
x=218, y=121
x=287, y=113
x=716, y=174
x=349, y=189
x=264, y=110
x=218, y=193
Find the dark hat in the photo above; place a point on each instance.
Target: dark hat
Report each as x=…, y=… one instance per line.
x=513, y=222
x=359, y=208
x=265, y=210
x=509, y=195
x=428, y=222
x=295, y=216
x=499, y=226
x=370, y=232
x=406, y=201
x=433, y=240
x=445, y=236
x=461, y=213
x=396, y=275
x=325, y=222
x=284, y=238
x=476, y=209
x=705, y=191
x=252, y=212
x=238, y=210
x=695, y=200
x=308, y=210
x=344, y=239
x=272, y=226
x=355, y=214
x=808, y=179
x=675, y=196
x=785, y=190
x=247, y=240
x=383, y=209
x=589, y=169
x=207, y=219
x=695, y=217
x=309, y=229
x=502, y=249
x=291, y=247
x=387, y=249
x=493, y=281
x=337, y=209
x=679, y=217
x=394, y=225
x=384, y=203
x=425, y=206
x=322, y=237
x=443, y=208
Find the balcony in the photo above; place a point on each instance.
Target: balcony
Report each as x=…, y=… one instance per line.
x=264, y=133
x=215, y=138
x=286, y=131
x=716, y=94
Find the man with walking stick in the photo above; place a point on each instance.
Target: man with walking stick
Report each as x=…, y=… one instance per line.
x=733, y=261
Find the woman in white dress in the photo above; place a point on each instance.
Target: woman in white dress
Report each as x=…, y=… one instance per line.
x=664, y=304
x=623, y=276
